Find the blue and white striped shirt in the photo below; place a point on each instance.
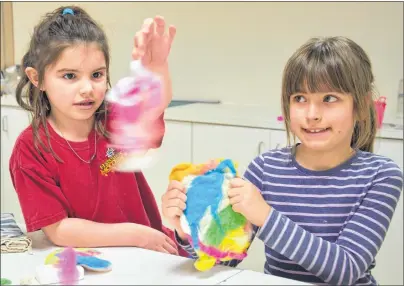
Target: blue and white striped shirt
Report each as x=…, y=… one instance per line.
x=324, y=226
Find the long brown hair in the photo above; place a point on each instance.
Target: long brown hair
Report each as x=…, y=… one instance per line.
x=340, y=65
x=56, y=32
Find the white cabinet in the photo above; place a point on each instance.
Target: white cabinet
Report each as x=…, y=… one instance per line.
x=389, y=260
x=176, y=149
x=13, y=121
x=242, y=145
x=278, y=139
x=391, y=148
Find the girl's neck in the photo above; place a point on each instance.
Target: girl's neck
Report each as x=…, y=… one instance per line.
x=324, y=160
x=70, y=129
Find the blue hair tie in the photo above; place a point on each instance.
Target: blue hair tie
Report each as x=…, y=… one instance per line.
x=68, y=11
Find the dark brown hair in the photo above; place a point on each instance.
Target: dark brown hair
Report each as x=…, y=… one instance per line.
x=336, y=64
x=56, y=32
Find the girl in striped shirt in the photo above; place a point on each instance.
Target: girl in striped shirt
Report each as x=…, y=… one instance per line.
x=323, y=206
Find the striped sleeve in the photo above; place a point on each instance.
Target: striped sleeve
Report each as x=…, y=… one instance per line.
x=345, y=260
x=186, y=246
x=255, y=171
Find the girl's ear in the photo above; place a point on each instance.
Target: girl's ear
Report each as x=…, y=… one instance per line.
x=32, y=74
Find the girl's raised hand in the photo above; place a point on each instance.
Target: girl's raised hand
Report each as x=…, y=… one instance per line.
x=153, y=43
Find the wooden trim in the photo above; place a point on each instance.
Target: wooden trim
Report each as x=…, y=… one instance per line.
x=7, y=35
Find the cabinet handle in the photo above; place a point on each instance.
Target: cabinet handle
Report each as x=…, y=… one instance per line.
x=260, y=148
x=5, y=123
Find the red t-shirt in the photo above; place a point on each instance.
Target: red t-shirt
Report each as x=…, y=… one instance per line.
x=50, y=191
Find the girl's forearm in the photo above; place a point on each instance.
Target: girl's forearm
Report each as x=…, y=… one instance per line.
x=164, y=73
x=77, y=232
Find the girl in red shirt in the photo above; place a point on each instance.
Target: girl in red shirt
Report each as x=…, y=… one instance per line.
x=61, y=166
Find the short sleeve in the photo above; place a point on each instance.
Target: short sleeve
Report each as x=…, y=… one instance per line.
x=254, y=172
x=41, y=199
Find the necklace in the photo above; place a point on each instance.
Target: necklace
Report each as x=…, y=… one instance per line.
x=95, y=148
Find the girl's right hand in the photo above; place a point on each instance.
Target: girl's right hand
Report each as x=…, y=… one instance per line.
x=158, y=241
x=173, y=204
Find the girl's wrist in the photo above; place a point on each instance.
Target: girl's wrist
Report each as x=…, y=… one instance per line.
x=265, y=214
x=161, y=70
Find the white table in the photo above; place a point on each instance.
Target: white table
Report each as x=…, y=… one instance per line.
x=129, y=266
x=248, y=277
x=132, y=266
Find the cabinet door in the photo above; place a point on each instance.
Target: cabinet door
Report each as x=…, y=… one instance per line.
x=389, y=260
x=391, y=148
x=242, y=145
x=278, y=139
x=13, y=122
x=176, y=148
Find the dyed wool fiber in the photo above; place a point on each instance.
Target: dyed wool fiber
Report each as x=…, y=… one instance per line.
x=216, y=232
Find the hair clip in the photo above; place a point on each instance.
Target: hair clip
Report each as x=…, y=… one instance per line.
x=68, y=11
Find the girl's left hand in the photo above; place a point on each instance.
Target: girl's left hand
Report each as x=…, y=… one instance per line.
x=153, y=43
x=247, y=200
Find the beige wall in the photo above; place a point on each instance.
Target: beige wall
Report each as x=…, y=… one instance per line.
x=235, y=52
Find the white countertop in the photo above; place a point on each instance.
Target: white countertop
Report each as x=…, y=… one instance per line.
x=244, y=115
x=132, y=266
x=8, y=100
x=225, y=114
